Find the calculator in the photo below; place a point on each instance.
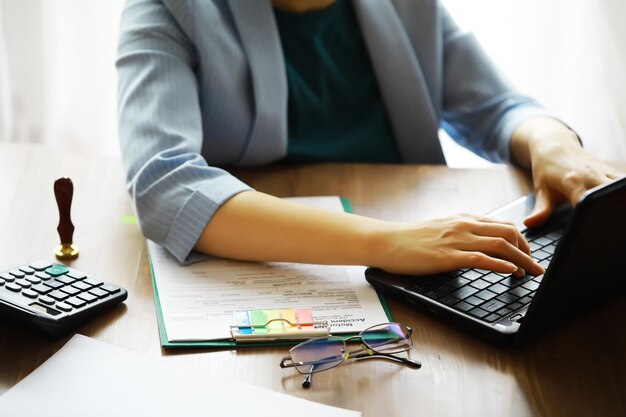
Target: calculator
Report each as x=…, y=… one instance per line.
x=52, y=298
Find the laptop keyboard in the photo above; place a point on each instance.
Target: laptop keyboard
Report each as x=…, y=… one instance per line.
x=488, y=295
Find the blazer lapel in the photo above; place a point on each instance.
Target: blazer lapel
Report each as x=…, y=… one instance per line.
x=261, y=42
x=405, y=92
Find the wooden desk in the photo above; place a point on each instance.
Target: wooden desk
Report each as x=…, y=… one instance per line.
x=580, y=370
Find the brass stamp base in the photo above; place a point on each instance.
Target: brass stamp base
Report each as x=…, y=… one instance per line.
x=66, y=251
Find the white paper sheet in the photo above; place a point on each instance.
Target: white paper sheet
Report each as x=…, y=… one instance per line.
x=91, y=378
x=198, y=300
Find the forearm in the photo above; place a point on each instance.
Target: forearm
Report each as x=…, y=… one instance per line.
x=258, y=227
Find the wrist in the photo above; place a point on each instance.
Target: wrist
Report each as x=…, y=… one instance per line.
x=378, y=243
x=540, y=136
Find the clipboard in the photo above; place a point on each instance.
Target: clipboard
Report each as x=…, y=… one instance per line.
x=232, y=343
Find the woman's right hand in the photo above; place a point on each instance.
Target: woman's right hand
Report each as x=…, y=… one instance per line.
x=462, y=241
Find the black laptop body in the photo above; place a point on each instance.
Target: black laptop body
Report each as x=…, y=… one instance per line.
x=582, y=249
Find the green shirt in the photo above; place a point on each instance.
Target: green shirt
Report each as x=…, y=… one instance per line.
x=335, y=109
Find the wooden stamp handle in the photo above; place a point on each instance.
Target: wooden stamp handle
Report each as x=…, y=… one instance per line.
x=63, y=191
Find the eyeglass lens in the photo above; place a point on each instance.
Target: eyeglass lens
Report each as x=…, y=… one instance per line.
x=317, y=355
x=388, y=338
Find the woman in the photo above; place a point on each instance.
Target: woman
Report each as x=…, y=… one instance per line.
x=215, y=83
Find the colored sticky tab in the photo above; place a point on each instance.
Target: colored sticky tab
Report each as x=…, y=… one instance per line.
x=304, y=316
x=290, y=316
x=275, y=326
x=243, y=319
x=258, y=319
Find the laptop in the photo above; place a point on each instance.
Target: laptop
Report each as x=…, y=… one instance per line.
x=582, y=250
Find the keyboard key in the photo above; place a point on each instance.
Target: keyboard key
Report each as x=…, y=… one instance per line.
x=41, y=288
x=545, y=263
x=81, y=285
x=534, y=246
x=510, y=282
x=23, y=283
x=542, y=241
x=46, y=300
x=30, y=294
x=43, y=276
x=40, y=265
x=492, y=317
x=504, y=311
x=515, y=306
x=538, y=278
x=473, y=300
x=457, y=282
x=77, y=275
x=58, y=295
x=492, y=277
x=64, y=307
x=75, y=302
x=498, y=288
x=112, y=289
x=519, y=292
x=70, y=290
x=7, y=277
x=525, y=300
x=531, y=285
x=472, y=274
x=53, y=283
x=486, y=295
x=463, y=306
x=17, y=273
x=90, y=298
x=96, y=283
x=449, y=300
x=435, y=293
x=550, y=249
x=56, y=270
x=493, y=306
x=481, y=284
x=478, y=312
x=507, y=298
x=555, y=235
x=27, y=270
x=65, y=279
x=540, y=255
x=461, y=293
x=103, y=294
x=14, y=287
x=33, y=279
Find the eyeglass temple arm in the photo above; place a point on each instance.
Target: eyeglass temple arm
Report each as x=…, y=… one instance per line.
x=412, y=363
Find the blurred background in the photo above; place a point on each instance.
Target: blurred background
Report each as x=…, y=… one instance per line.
x=58, y=80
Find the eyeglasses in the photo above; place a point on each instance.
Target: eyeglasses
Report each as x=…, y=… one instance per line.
x=381, y=341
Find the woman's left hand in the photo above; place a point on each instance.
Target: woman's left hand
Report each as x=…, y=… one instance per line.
x=561, y=169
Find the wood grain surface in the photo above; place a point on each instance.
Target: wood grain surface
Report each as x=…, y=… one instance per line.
x=579, y=370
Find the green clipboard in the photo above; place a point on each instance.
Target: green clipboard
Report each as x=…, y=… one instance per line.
x=229, y=343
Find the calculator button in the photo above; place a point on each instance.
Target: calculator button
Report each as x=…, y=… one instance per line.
x=81, y=285
x=53, y=283
x=14, y=287
x=43, y=275
x=65, y=279
x=64, y=307
x=41, y=288
x=99, y=293
x=70, y=290
x=75, y=302
x=90, y=298
x=7, y=277
x=33, y=279
x=56, y=270
x=46, y=300
x=27, y=270
x=22, y=283
x=110, y=288
x=40, y=265
x=93, y=282
x=58, y=295
x=76, y=275
x=30, y=293
x=17, y=273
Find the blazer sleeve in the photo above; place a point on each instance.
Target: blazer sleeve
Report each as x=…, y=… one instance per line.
x=480, y=110
x=174, y=191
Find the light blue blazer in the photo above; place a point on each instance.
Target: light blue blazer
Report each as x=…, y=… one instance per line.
x=202, y=86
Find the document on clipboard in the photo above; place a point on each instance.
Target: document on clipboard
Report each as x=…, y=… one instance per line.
x=198, y=304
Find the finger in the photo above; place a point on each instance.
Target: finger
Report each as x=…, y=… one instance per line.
x=544, y=204
x=482, y=261
x=501, y=248
x=506, y=230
